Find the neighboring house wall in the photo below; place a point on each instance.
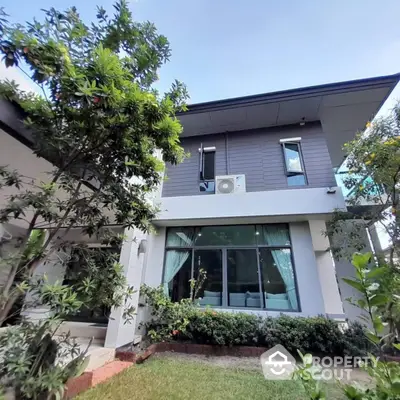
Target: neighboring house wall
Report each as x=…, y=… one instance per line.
x=16, y=156
x=36, y=170
x=257, y=154
x=9, y=239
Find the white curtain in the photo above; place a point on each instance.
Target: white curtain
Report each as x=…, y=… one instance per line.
x=175, y=259
x=276, y=236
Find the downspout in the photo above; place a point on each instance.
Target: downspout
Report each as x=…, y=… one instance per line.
x=226, y=154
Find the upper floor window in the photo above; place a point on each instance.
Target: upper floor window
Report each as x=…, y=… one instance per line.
x=207, y=169
x=294, y=164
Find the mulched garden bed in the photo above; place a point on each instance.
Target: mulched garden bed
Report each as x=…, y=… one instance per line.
x=129, y=354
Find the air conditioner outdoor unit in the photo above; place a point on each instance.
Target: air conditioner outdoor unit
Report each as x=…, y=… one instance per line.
x=227, y=184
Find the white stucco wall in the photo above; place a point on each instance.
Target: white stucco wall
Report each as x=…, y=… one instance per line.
x=155, y=258
x=309, y=287
x=16, y=156
x=274, y=203
x=326, y=270
x=328, y=280
x=119, y=331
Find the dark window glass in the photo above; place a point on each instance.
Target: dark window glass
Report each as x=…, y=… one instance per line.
x=210, y=261
x=208, y=165
x=239, y=235
x=278, y=281
x=76, y=271
x=243, y=284
x=177, y=274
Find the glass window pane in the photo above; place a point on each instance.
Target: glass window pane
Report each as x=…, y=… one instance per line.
x=239, y=235
x=292, y=157
x=296, y=180
x=278, y=281
x=273, y=235
x=243, y=284
x=209, y=165
x=177, y=273
x=210, y=261
x=180, y=237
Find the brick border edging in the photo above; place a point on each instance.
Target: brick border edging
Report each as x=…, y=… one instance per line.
x=189, y=348
x=90, y=379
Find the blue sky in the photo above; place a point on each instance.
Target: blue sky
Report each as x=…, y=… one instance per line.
x=229, y=48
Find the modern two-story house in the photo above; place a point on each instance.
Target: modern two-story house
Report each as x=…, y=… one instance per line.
x=248, y=205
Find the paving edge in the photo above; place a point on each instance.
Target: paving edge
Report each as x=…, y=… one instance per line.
x=90, y=379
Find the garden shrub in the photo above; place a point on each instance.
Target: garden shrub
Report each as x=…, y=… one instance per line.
x=184, y=321
x=211, y=327
x=317, y=335
x=356, y=343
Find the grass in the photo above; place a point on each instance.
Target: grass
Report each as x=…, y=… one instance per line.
x=174, y=379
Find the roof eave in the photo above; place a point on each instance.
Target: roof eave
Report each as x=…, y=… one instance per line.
x=292, y=94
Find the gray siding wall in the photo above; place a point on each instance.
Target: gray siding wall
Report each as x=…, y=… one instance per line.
x=257, y=154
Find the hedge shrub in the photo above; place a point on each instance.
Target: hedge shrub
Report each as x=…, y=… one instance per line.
x=185, y=322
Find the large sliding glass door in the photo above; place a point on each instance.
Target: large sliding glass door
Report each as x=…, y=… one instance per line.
x=243, y=281
x=210, y=261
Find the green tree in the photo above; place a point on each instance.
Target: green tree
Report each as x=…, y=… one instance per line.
x=373, y=162
x=107, y=132
x=101, y=124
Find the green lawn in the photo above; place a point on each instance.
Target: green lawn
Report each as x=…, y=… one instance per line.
x=174, y=379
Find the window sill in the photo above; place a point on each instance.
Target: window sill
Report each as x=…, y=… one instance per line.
x=252, y=309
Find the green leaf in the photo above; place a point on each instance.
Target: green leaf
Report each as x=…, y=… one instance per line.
x=378, y=324
x=360, y=261
x=396, y=345
x=396, y=387
x=376, y=272
x=81, y=368
x=378, y=300
x=355, y=284
x=372, y=337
